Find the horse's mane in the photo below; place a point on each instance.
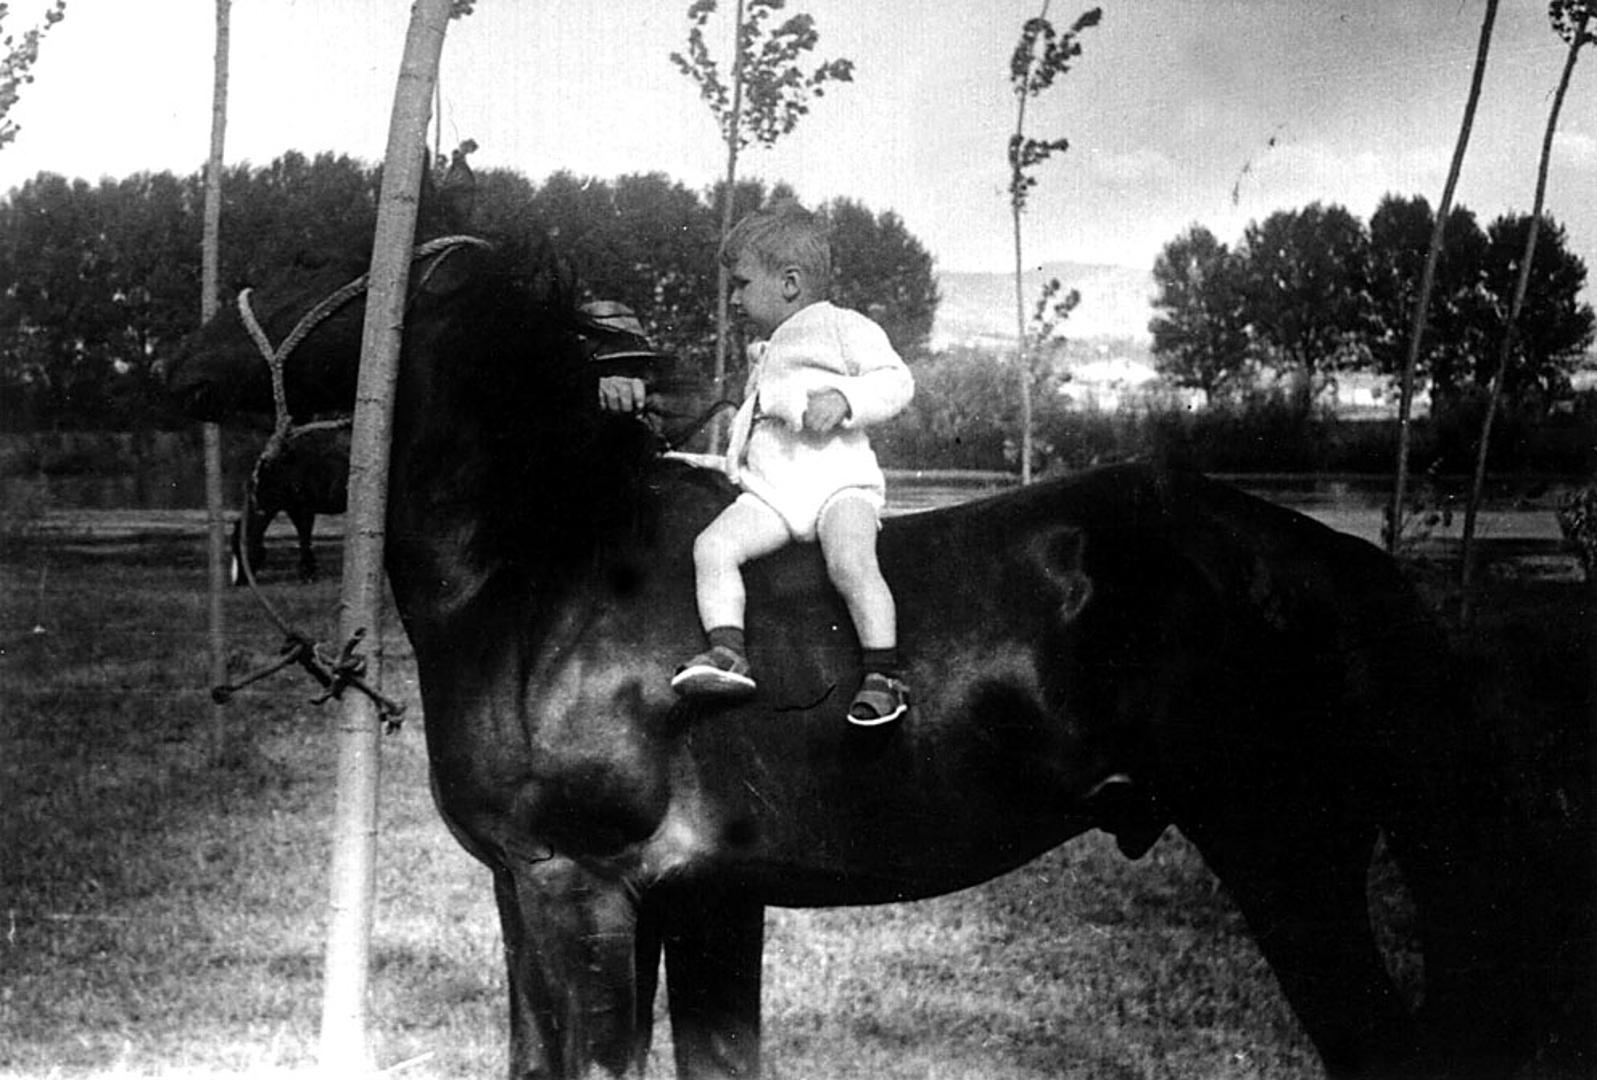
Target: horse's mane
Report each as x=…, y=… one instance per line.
x=520, y=442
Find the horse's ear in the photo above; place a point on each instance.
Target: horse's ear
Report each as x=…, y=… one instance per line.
x=448, y=195
x=1060, y=554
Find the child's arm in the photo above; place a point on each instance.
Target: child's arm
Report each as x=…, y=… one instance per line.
x=883, y=384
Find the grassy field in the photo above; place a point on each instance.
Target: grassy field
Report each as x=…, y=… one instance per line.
x=162, y=882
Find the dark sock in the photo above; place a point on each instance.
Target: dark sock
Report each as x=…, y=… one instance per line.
x=881, y=661
x=730, y=636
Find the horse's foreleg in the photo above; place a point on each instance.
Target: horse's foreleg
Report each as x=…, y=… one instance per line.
x=249, y=539
x=304, y=528
x=1303, y=895
x=1490, y=967
x=648, y=949
x=569, y=950
x=236, y=544
x=713, y=947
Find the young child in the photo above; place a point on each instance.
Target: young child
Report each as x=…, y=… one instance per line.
x=799, y=451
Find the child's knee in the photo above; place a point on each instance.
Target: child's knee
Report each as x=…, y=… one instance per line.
x=708, y=549
x=716, y=549
x=852, y=568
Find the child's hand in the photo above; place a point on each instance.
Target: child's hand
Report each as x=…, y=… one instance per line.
x=826, y=410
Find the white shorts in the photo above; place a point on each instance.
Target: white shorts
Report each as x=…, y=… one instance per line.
x=801, y=476
x=873, y=498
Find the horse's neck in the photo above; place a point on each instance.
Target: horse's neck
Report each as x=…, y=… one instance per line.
x=471, y=527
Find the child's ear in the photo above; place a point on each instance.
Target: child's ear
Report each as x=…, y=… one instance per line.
x=792, y=283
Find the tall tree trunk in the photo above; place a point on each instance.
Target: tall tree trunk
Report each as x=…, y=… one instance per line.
x=344, y=1046
x=210, y=243
x=1428, y=279
x=1022, y=349
x=1505, y=351
x=1022, y=346
x=723, y=314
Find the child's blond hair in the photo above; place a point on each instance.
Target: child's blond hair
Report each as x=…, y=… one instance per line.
x=784, y=235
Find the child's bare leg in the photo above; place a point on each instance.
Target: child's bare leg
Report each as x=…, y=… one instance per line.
x=743, y=531
x=848, y=540
x=847, y=532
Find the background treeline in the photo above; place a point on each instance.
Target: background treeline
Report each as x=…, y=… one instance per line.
x=1263, y=329
x=99, y=282
x=1308, y=294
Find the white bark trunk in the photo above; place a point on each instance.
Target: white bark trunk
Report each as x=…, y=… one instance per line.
x=344, y=1046
x=210, y=247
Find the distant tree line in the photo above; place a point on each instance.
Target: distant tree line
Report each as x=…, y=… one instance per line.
x=1310, y=293
x=99, y=282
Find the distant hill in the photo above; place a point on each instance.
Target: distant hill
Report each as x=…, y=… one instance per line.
x=979, y=308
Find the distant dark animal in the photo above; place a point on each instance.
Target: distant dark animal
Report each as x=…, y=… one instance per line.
x=1122, y=649
x=309, y=477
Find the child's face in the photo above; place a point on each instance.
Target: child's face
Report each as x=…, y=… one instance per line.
x=763, y=296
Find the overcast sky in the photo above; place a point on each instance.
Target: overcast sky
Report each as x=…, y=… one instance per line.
x=1178, y=112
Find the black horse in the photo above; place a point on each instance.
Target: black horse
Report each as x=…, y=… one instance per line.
x=1123, y=649
x=309, y=476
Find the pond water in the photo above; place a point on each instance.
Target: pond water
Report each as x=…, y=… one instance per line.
x=1515, y=506
x=1345, y=490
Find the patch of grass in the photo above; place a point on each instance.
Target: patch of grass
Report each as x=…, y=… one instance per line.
x=164, y=905
x=162, y=891
x=1082, y=964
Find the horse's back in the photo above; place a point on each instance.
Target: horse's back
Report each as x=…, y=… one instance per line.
x=1125, y=620
x=1223, y=636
